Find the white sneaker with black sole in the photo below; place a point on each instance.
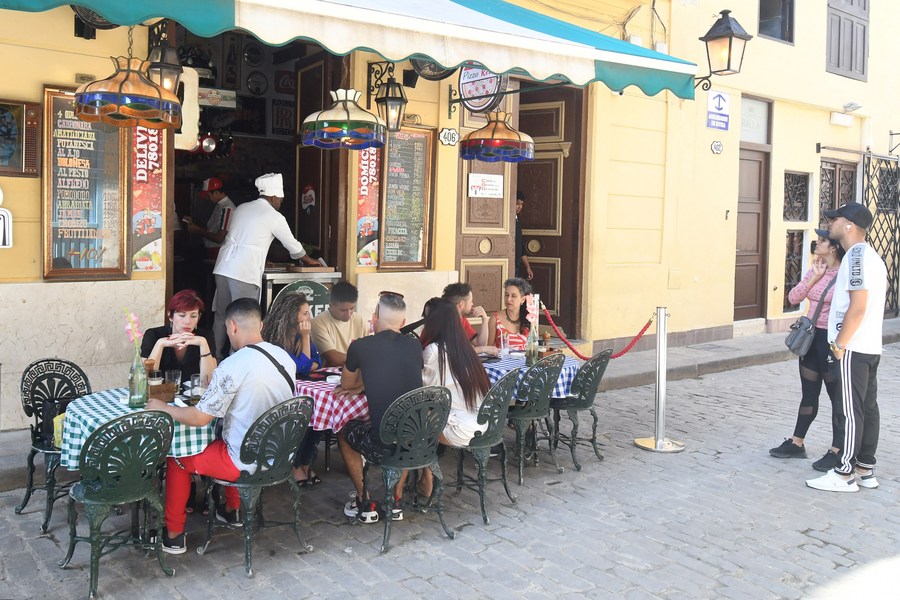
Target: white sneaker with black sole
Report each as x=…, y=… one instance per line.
x=868, y=480
x=368, y=514
x=833, y=482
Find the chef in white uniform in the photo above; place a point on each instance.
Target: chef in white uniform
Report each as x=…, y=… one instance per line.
x=242, y=257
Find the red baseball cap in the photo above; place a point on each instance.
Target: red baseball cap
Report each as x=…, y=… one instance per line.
x=210, y=185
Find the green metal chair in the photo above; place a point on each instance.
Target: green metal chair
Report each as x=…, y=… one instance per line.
x=270, y=444
x=533, y=405
x=492, y=413
x=119, y=464
x=584, y=390
x=46, y=385
x=411, y=426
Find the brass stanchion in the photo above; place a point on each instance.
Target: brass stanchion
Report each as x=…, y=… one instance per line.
x=659, y=442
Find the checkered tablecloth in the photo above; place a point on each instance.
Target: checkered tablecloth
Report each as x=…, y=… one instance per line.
x=330, y=412
x=496, y=370
x=87, y=413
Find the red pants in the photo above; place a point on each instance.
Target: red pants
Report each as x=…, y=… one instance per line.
x=214, y=462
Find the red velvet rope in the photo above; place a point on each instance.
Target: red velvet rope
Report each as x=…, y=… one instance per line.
x=582, y=356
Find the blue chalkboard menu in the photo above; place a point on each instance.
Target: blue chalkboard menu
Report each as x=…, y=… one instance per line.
x=407, y=198
x=85, y=194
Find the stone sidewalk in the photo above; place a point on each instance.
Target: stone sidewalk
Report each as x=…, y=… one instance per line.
x=720, y=520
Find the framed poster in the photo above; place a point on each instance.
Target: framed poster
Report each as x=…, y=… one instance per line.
x=20, y=136
x=249, y=118
x=407, y=194
x=85, y=190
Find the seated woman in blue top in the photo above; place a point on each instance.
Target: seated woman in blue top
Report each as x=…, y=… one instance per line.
x=288, y=324
x=179, y=346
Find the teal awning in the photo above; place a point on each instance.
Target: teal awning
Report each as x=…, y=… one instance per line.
x=501, y=36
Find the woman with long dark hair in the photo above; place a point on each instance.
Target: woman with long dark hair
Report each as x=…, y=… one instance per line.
x=288, y=324
x=512, y=320
x=451, y=361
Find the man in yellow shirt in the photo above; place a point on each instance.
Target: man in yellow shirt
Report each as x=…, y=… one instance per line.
x=335, y=328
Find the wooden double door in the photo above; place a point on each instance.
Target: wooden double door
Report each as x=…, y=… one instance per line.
x=551, y=219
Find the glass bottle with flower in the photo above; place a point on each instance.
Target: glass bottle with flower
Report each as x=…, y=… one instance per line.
x=137, y=379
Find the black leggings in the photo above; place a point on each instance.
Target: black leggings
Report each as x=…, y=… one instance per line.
x=813, y=373
x=308, y=449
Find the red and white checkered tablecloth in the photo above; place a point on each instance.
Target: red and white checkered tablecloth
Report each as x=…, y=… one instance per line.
x=330, y=412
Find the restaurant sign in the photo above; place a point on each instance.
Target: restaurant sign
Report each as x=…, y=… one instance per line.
x=369, y=187
x=483, y=185
x=146, y=199
x=481, y=89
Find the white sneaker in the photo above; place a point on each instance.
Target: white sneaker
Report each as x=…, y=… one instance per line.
x=868, y=480
x=368, y=514
x=832, y=482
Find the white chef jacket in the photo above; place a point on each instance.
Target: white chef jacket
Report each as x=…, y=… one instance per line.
x=253, y=227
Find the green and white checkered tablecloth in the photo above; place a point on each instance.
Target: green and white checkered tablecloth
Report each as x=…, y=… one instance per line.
x=87, y=413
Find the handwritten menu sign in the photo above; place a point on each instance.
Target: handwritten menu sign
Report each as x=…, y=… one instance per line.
x=85, y=194
x=406, y=205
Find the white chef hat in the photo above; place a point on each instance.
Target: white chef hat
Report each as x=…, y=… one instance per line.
x=270, y=184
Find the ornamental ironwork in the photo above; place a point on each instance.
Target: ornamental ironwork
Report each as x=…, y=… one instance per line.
x=796, y=196
x=882, y=197
x=793, y=266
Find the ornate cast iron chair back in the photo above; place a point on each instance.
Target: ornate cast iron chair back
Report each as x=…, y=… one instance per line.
x=536, y=387
x=413, y=422
x=272, y=441
x=119, y=461
x=50, y=379
x=587, y=380
x=493, y=411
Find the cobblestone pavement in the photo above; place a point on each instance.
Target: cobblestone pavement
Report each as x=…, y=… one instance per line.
x=720, y=520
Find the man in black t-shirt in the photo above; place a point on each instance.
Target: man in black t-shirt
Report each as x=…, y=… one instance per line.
x=386, y=366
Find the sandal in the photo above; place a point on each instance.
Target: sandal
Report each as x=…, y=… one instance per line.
x=312, y=479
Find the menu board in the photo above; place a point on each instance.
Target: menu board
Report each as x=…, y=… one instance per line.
x=406, y=204
x=85, y=194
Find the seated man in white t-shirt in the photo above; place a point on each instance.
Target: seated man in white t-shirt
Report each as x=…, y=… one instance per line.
x=243, y=387
x=335, y=328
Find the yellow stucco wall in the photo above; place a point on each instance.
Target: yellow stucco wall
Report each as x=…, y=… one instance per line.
x=656, y=199
x=81, y=321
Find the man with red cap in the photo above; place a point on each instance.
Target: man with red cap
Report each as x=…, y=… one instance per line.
x=217, y=225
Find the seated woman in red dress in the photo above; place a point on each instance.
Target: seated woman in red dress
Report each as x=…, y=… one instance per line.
x=511, y=320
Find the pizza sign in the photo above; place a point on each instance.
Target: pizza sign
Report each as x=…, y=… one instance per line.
x=479, y=88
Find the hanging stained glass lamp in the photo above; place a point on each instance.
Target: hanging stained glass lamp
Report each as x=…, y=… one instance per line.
x=344, y=125
x=497, y=141
x=128, y=97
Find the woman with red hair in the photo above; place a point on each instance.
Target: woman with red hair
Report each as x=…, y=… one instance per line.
x=179, y=346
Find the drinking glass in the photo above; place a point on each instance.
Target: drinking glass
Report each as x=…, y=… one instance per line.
x=504, y=345
x=173, y=378
x=154, y=377
x=196, y=386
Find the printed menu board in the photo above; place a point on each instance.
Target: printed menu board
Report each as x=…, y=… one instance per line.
x=406, y=204
x=85, y=194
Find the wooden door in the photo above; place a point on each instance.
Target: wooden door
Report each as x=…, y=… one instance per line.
x=485, y=226
x=552, y=184
x=750, y=254
x=319, y=207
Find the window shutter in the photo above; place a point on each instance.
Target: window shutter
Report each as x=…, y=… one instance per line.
x=848, y=38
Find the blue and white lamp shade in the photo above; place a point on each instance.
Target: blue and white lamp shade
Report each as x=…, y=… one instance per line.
x=344, y=125
x=497, y=141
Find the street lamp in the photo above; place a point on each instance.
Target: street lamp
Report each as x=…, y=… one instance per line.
x=165, y=68
x=391, y=101
x=725, y=44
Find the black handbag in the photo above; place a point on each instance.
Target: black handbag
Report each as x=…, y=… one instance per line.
x=803, y=330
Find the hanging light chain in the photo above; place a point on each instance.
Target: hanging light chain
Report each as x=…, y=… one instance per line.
x=130, y=41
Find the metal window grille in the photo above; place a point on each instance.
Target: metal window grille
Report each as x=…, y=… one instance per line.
x=796, y=196
x=793, y=266
x=882, y=196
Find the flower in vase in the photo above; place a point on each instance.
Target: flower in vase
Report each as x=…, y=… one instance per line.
x=132, y=327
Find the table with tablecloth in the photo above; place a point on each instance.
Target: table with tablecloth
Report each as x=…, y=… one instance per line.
x=498, y=368
x=84, y=415
x=329, y=411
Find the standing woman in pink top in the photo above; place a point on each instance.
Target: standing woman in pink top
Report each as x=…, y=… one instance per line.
x=814, y=366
